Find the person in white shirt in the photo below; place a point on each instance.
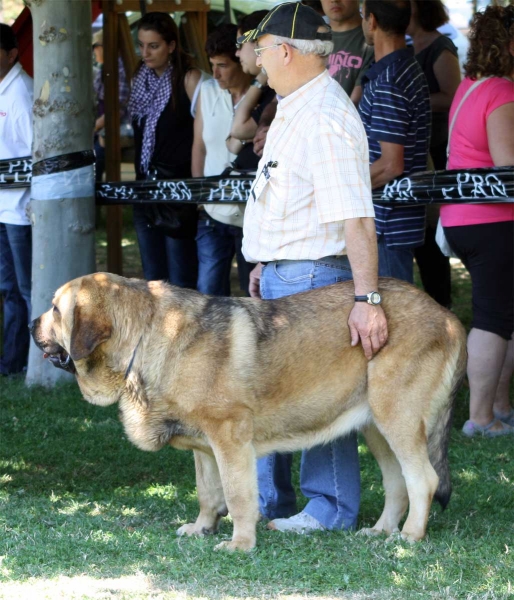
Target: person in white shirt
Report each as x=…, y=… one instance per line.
x=219, y=227
x=16, y=95
x=309, y=222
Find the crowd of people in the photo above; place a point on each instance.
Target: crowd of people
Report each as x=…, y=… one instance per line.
x=324, y=101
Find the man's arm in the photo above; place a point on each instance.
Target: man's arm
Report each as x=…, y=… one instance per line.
x=356, y=95
x=447, y=73
x=199, y=151
x=243, y=125
x=389, y=166
x=367, y=323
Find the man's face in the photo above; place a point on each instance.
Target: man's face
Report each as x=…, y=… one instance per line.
x=7, y=60
x=247, y=57
x=340, y=11
x=269, y=60
x=225, y=71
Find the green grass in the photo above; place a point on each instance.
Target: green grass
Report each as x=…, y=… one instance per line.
x=84, y=514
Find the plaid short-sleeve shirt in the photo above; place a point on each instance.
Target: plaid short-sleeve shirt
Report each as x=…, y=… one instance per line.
x=320, y=177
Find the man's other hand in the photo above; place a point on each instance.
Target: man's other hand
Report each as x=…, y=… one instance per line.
x=255, y=281
x=368, y=325
x=259, y=140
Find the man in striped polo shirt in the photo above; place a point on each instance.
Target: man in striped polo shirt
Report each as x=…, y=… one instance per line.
x=395, y=110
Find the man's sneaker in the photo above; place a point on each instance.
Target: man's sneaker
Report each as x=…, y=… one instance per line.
x=300, y=523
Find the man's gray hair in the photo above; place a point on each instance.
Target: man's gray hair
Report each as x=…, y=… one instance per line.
x=318, y=47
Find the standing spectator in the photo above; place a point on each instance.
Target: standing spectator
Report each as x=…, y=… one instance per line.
x=99, y=89
x=395, y=110
x=218, y=238
x=351, y=56
x=16, y=89
x=160, y=105
x=438, y=58
x=309, y=223
x=482, y=235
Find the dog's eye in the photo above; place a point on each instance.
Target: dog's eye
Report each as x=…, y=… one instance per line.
x=56, y=310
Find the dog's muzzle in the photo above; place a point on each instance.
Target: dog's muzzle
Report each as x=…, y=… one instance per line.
x=62, y=361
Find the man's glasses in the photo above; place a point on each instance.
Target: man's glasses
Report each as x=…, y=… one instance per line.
x=259, y=51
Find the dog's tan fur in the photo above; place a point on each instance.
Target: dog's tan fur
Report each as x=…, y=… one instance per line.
x=236, y=378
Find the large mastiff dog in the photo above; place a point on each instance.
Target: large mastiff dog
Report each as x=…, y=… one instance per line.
x=237, y=378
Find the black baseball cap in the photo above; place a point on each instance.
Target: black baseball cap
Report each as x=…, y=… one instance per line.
x=291, y=20
x=7, y=38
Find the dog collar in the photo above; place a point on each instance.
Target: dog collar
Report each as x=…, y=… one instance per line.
x=129, y=368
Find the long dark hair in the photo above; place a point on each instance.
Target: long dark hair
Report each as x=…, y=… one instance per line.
x=165, y=26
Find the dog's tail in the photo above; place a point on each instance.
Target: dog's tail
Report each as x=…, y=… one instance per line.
x=439, y=437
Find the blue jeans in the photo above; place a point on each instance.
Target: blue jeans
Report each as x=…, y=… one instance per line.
x=217, y=243
x=329, y=474
x=15, y=287
x=395, y=262
x=164, y=257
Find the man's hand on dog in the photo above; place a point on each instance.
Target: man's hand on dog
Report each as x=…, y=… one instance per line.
x=254, y=287
x=368, y=324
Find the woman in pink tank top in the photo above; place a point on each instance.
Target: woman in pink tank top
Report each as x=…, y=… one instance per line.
x=482, y=235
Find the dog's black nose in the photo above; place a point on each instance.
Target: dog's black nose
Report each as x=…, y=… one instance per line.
x=32, y=324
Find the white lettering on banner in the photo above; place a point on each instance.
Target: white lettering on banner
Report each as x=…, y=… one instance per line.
x=20, y=165
x=171, y=190
x=474, y=186
x=399, y=188
x=231, y=190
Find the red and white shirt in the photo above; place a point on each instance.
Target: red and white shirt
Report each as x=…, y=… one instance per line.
x=16, y=96
x=319, y=177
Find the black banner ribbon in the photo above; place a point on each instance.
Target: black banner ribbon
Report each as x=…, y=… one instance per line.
x=495, y=184
x=64, y=162
x=431, y=187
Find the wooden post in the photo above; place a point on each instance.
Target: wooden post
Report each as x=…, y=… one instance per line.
x=114, y=222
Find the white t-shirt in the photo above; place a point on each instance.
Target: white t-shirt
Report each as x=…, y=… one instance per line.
x=16, y=97
x=217, y=115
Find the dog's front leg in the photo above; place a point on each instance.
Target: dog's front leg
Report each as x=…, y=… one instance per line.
x=210, y=497
x=238, y=470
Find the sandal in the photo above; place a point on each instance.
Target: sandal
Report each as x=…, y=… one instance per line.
x=471, y=429
x=508, y=418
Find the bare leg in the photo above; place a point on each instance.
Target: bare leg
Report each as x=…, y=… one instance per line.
x=502, y=406
x=486, y=356
x=210, y=497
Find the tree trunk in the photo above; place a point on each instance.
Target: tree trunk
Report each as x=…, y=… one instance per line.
x=62, y=206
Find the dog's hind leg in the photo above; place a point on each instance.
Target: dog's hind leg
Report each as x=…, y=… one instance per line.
x=210, y=497
x=421, y=480
x=396, y=497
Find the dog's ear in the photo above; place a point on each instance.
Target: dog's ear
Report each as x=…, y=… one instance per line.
x=90, y=328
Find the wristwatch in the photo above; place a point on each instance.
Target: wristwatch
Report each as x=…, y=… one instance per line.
x=257, y=84
x=373, y=298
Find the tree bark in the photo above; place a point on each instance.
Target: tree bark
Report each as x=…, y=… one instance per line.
x=62, y=207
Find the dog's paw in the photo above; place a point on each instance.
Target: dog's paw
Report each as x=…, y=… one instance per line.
x=370, y=532
x=244, y=545
x=191, y=529
x=410, y=538
x=394, y=536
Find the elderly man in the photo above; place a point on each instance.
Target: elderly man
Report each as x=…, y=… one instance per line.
x=310, y=222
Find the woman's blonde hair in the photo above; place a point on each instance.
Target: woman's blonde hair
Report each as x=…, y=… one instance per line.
x=490, y=36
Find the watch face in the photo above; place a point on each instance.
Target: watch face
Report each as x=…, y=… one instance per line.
x=375, y=298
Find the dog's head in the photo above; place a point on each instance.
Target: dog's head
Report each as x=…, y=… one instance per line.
x=78, y=321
